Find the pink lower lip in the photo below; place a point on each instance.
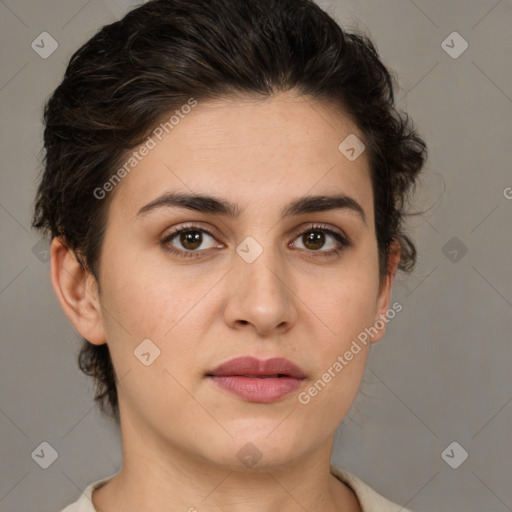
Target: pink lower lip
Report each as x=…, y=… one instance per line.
x=258, y=389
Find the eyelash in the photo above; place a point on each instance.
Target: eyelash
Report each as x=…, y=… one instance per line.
x=322, y=228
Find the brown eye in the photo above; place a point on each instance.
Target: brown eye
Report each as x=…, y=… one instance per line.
x=321, y=240
x=191, y=239
x=313, y=240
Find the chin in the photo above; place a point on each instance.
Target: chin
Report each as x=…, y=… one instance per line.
x=263, y=446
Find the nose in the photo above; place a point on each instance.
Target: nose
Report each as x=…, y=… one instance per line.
x=260, y=295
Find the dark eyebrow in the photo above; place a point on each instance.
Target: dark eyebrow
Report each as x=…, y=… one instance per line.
x=210, y=204
x=313, y=204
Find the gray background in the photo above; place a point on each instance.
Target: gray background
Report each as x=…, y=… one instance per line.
x=441, y=373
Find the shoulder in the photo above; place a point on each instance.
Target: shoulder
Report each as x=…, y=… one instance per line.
x=371, y=501
x=84, y=503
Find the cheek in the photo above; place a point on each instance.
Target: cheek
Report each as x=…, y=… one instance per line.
x=346, y=300
x=168, y=306
x=345, y=305
x=142, y=291
x=339, y=355
x=170, y=315
x=345, y=312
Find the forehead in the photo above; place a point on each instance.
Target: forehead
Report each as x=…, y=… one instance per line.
x=242, y=149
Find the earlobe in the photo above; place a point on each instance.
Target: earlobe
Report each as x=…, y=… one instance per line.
x=386, y=287
x=77, y=292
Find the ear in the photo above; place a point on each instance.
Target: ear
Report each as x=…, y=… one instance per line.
x=385, y=289
x=77, y=292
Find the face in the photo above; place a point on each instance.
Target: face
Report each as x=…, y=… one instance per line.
x=261, y=269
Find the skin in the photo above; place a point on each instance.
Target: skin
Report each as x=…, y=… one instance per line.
x=180, y=433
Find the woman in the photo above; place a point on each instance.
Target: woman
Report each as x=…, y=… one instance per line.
x=224, y=187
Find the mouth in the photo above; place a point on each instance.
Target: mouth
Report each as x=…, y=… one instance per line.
x=256, y=380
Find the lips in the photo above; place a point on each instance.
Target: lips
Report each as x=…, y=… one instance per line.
x=253, y=367
x=257, y=380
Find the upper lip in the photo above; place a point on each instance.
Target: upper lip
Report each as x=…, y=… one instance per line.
x=252, y=366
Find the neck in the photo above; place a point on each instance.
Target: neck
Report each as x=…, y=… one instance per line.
x=158, y=475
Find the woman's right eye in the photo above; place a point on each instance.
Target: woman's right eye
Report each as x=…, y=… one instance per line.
x=189, y=241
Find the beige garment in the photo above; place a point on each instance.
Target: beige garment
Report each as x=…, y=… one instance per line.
x=370, y=500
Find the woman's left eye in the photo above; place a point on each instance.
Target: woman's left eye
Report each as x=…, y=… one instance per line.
x=323, y=240
x=189, y=241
